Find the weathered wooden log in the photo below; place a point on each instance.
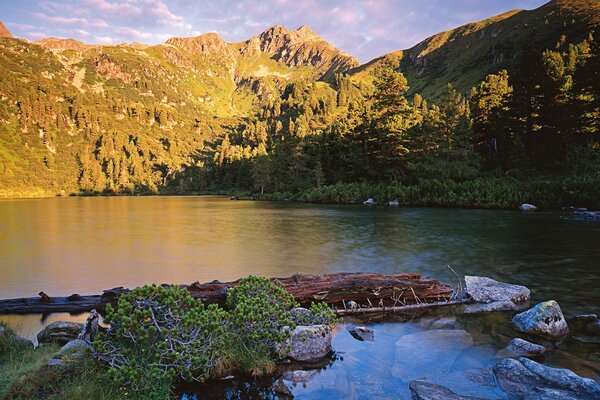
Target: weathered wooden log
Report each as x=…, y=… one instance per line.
x=365, y=289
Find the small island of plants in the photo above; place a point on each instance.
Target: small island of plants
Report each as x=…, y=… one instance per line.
x=160, y=336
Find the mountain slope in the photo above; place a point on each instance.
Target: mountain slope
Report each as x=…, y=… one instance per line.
x=465, y=55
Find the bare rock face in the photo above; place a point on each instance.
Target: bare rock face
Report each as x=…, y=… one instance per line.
x=526, y=379
x=59, y=332
x=307, y=343
x=545, y=319
x=4, y=33
x=487, y=290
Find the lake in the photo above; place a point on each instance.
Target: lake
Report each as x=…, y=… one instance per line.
x=87, y=244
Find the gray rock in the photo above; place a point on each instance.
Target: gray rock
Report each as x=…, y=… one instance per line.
x=444, y=323
x=587, y=339
x=299, y=376
x=75, y=346
x=370, y=202
x=307, y=343
x=282, y=389
x=585, y=317
x=474, y=382
x=362, y=333
x=434, y=351
x=545, y=319
x=522, y=348
x=59, y=332
x=480, y=308
x=421, y=390
x=527, y=207
x=393, y=203
x=2, y=330
x=487, y=290
x=526, y=379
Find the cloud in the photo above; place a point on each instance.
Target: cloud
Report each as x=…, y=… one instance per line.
x=57, y=19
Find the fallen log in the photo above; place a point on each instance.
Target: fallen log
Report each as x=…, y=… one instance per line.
x=338, y=289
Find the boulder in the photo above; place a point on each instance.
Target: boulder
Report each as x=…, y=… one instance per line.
x=362, y=333
x=479, y=383
x=393, y=203
x=369, y=202
x=70, y=354
x=522, y=348
x=434, y=351
x=421, y=390
x=59, y=332
x=527, y=207
x=307, y=343
x=526, y=379
x=480, y=308
x=486, y=290
x=15, y=339
x=545, y=319
x=301, y=316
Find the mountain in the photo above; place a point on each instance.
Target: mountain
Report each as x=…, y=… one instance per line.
x=63, y=44
x=4, y=33
x=465, y=55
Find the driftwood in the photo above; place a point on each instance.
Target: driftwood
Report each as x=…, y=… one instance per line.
x=341, y=290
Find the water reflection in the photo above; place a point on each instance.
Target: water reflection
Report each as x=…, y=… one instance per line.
x=85, y=245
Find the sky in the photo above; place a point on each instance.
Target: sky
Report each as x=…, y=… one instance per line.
x=364, y=28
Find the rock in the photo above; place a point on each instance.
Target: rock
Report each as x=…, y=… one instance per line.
x=486, y=290
x=585, y=317
x=479, y=383
x=281, y=389
x=59, y=332
x=299, y=376
x=21, y=341
x=307, y=343
x=522, y=348
x=526, y=379
x=2, y=330
x=527, y=207
x=351, y=305
x=393, y=203
x=544, y=319
x=75, y=346
x=362, y=333
x=434, y=351
x=444, y=323
x=587, y=339
x=480, y=308
x=370, y=202
x=593, y=328
x=429, y=391
x=70, y=354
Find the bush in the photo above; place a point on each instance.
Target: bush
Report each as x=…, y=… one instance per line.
x=260, y=308
x=158, y=334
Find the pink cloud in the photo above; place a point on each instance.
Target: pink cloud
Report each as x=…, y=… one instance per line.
x=57, y=19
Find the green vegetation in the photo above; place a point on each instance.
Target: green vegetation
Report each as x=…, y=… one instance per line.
x=159, y=336
x=512, y=97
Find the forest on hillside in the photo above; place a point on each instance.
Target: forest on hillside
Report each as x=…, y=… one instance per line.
x=528, y=135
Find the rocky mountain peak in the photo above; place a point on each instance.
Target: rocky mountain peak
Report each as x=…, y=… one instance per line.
x=304, y=32
x=62, y=44
x=4, y=33
x=207, y=43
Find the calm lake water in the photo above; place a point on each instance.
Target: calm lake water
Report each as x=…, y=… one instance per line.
x=85, y=245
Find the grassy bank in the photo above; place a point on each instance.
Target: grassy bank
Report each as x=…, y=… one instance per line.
x=486, y=192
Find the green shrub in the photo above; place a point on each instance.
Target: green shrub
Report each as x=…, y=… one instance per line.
x=158, y=334
x=260, y=308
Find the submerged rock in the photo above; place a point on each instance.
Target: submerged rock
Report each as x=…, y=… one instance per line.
x=526, y=379
x=299, y=376
x=421, y=390
x=522, y=348
x=362, y=333
x=59, y=332
x=527, y=207
x=444, y=323
x=544, y=319
x=429, y=352
x=307, y=343
x=487, y=290
x=479, y=308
